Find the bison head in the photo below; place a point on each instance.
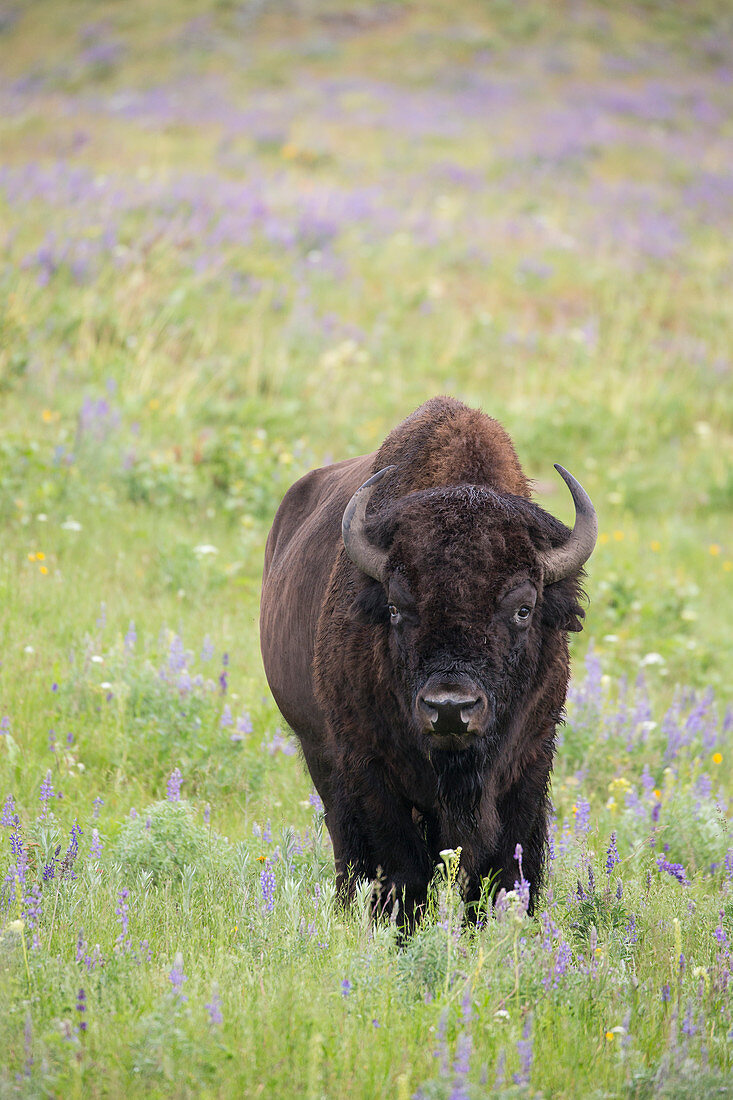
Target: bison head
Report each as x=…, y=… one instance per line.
x=470, y=582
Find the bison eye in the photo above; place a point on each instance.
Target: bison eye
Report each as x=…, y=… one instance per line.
x=394, y=614
x=522, y=613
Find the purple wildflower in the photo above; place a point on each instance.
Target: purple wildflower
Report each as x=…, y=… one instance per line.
x=214, y=1007
x=4, y=725
x=97, y=804
x=226, y=717
x=464, y=1049
x=130, y=637
x=123, y=912
x=177, y=977
x=49, y=869
x=244, y=724
x=173, y=786
x=612, y=857
x=81, y=1007
x=32, y=910
x=207, y=649
x=267, y=883
x=676, y=870
x=521, y=885
x=582, y=816
x=666, y=993
x=95, y=848
x=207, y=814
x=47, y=792
x=345, y=987
x=223, y=674
x=524, y=1050
x=10, y=818
x=315, y=800
x=689, y=1027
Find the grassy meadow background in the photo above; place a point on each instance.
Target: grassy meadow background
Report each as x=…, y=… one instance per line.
x=243, y=239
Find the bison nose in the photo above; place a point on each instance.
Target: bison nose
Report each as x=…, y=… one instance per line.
x=451, y=712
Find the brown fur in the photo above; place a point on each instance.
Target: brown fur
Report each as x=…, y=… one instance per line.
x=461, y=534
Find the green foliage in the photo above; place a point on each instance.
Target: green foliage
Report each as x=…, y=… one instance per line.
x=164, y=839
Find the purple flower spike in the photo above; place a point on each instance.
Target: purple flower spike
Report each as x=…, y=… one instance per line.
x=81, y=1007
x=47, y=792
x=267, y=883
x=173, y=787
x=214, y=1007
x=612, y=856
x=177, y=977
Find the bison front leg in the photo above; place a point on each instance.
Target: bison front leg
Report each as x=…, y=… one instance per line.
x=375, y=837
x=522, y=818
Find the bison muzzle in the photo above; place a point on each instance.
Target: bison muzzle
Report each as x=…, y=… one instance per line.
x=415, y=613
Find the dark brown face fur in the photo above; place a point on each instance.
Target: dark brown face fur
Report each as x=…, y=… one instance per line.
x=462, y=612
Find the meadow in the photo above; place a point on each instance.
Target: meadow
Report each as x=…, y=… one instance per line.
x=243, y=239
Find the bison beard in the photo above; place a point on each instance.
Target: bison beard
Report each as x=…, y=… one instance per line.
x=459, y=785
x=415, y=611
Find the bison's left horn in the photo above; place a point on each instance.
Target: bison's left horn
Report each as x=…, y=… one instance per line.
x=567, y=559
x=368, y=558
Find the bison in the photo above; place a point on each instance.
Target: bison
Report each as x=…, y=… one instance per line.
x=414, y=628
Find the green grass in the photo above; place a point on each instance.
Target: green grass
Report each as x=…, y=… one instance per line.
x=242, y=240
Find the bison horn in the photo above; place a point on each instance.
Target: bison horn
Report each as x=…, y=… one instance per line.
x=567, y=559
x=368, y=558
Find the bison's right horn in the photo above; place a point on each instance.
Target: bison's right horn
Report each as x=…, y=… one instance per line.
x=368, y=558
x=567, y=559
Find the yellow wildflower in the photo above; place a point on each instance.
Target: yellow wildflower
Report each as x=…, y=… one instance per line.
x=44, y=569
x=714, y=549
x=47, y=416
x=717, y=758
x=619, y=536
x=655, y=545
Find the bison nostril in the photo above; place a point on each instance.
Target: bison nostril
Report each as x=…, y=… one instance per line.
x=449, y=712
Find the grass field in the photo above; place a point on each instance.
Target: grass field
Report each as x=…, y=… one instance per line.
x=244, y=239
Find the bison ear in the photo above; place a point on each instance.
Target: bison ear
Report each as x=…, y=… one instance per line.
x=370, y=605
x=561, y=607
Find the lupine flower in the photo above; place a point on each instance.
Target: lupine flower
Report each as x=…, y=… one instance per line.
x=689, y=1027
x=95, y=848
x=223, y=674
x=49, y=869
x=582, y=816
x=267, y=883
x=676, y=870
x=521, y=886
x=173, y=787
x=97, y=804
x=81, y=1007
x=123, y=912
x=130, y=637
x=315, y=800
x=10, y=818
x=177, y=977
x=524, y=1050
x=4, y=725
x=47, y=792
x=207, y=813
x=345, y=987
x=32, y=912
x=214, y=1007
x=226, y=717
x=207, y=649
x=612, y=857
